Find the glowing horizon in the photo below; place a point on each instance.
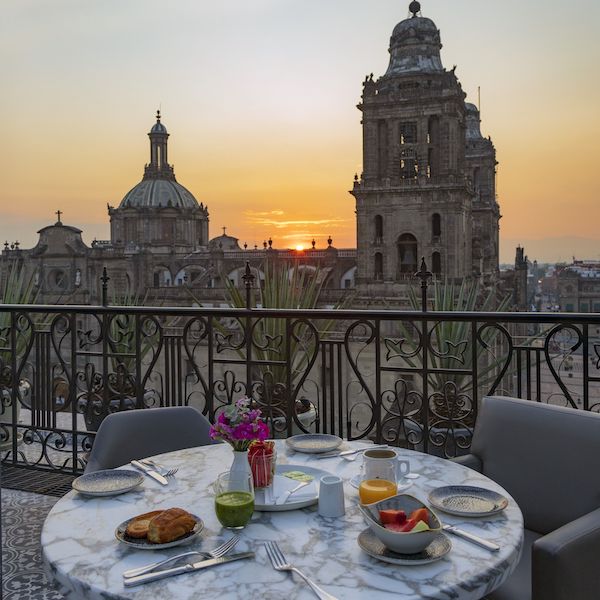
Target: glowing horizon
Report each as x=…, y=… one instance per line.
x=260, y=101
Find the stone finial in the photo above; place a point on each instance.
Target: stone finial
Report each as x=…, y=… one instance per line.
x=158, y=116
x=415, y=8
x=329, y=241
x=270, y=243
x=313, y=243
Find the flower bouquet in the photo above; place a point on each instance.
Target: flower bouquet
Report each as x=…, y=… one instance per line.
x=239, y=425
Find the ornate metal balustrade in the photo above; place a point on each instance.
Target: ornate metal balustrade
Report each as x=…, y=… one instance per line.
x=409, y=378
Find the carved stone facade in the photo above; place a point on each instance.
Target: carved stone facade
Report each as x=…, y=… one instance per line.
x=428, y=182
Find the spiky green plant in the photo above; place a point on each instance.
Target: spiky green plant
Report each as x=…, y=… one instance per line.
x=451, y=340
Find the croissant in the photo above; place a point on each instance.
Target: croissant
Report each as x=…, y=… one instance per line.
x=138, y=526
x=170, y=525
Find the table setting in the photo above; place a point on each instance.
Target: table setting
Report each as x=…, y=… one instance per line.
x=432, y=529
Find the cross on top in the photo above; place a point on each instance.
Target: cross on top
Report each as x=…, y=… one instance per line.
x=58, y=213
x=224, y=230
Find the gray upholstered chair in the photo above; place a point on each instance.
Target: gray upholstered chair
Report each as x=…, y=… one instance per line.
x=134, y=434
x=548, y=459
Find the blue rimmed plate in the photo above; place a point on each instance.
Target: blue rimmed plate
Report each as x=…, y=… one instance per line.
x=438, y=548
x=467, y=501
x=144, y=544
x=110, y=482
x=314, y=443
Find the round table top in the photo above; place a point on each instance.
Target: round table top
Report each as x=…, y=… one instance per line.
x=81, y=553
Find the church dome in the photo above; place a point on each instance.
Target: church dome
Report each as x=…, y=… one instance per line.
x=159, y=193
x=158, y=188
x=473, y=122
x=415, y=46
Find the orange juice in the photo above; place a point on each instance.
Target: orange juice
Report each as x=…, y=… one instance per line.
x=373, y=490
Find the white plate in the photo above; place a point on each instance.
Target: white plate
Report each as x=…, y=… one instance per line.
x=374, y=547
x=110, y=482
x=355, y=483
x=292, y=504
x=314, y=443
x=144, y=544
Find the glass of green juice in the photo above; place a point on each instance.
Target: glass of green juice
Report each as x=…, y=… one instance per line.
x=234, y=499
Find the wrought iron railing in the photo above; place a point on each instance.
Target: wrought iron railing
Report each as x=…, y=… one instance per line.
x=409, y=378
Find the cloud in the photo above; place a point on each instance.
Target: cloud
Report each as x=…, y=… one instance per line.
x=268, y=219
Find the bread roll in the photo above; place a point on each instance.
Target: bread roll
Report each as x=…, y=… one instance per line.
x=138, y=526
x=170, y=525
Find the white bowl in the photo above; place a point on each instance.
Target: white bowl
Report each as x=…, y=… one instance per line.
x=409, y=542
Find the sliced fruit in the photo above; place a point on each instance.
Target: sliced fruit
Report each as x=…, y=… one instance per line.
x=394, y=527
x=408, y=526
x=420, y=526
x=392, y=516
x=421, y=514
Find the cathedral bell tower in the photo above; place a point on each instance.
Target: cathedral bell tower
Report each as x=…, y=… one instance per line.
x=413, y=198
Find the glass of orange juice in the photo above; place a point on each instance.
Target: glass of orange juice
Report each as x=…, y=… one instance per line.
x=373, y=490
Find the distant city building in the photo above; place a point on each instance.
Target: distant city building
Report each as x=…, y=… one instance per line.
x=578, y=286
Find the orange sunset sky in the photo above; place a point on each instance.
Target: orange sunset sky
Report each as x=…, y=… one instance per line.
x=260, y=96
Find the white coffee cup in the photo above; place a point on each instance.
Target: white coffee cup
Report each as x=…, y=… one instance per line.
x=331, y=496
x=384, y=464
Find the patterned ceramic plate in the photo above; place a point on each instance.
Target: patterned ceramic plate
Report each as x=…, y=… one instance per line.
x=374, y=547
x=107, y=483
x=467, y=501
x=144, y=544
x=314, y=443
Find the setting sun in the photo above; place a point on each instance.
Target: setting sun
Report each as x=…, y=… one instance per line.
x=299, y=247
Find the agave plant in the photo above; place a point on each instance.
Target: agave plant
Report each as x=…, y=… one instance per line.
x=285, y=287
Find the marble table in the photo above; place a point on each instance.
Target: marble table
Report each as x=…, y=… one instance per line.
x=81, y=553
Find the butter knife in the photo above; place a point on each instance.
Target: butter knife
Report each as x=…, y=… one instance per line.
x=150, y=472
x=347, y=452
x=472, y=538
x=283, y=498
x=189, y=568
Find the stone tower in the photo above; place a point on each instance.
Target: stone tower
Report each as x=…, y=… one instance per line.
x=159, y=213
x=416, y=195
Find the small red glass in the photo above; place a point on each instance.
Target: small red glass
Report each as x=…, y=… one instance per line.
x=262, y=458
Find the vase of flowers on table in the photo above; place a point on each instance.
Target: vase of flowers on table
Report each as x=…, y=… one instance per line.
x=239, y=425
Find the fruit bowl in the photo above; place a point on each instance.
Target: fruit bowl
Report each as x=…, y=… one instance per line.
x=404, y=542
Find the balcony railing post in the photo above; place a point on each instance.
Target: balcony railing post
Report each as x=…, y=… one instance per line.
x=424, y=275
x=248, y=279
x=104, y=279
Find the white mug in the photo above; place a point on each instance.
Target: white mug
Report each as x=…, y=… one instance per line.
x=384, y=464
x=331, y=496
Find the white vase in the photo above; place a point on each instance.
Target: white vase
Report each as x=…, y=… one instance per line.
x=240, y=464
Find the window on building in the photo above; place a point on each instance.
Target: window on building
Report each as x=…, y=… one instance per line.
x=409, y=167
x=347, y=283
x=407, y=253
x=584, y=307
x=378, y=265
x=436, y=263
x=596, y=307
x=156, y=280
x=378, y=228
x=408, y=133
x=436, y=225
x=569, y=308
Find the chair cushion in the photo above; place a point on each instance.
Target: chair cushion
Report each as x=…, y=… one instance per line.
x=545, y=456
x=518, y=585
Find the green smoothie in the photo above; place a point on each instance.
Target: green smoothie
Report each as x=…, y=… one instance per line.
x=234, y=509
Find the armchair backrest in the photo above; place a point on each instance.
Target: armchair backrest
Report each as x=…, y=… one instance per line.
x=133, y=434
x=546, y=457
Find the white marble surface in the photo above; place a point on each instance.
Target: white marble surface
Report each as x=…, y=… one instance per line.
x=83, y=556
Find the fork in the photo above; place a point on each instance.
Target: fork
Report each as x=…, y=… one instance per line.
x=280, y=564
x=216, y=553
x=164, y=472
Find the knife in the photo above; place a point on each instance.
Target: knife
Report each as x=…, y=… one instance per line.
x=150, y=472
x=348, y=452
x=472, y=538
x=189, y=568
x=283, y=498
